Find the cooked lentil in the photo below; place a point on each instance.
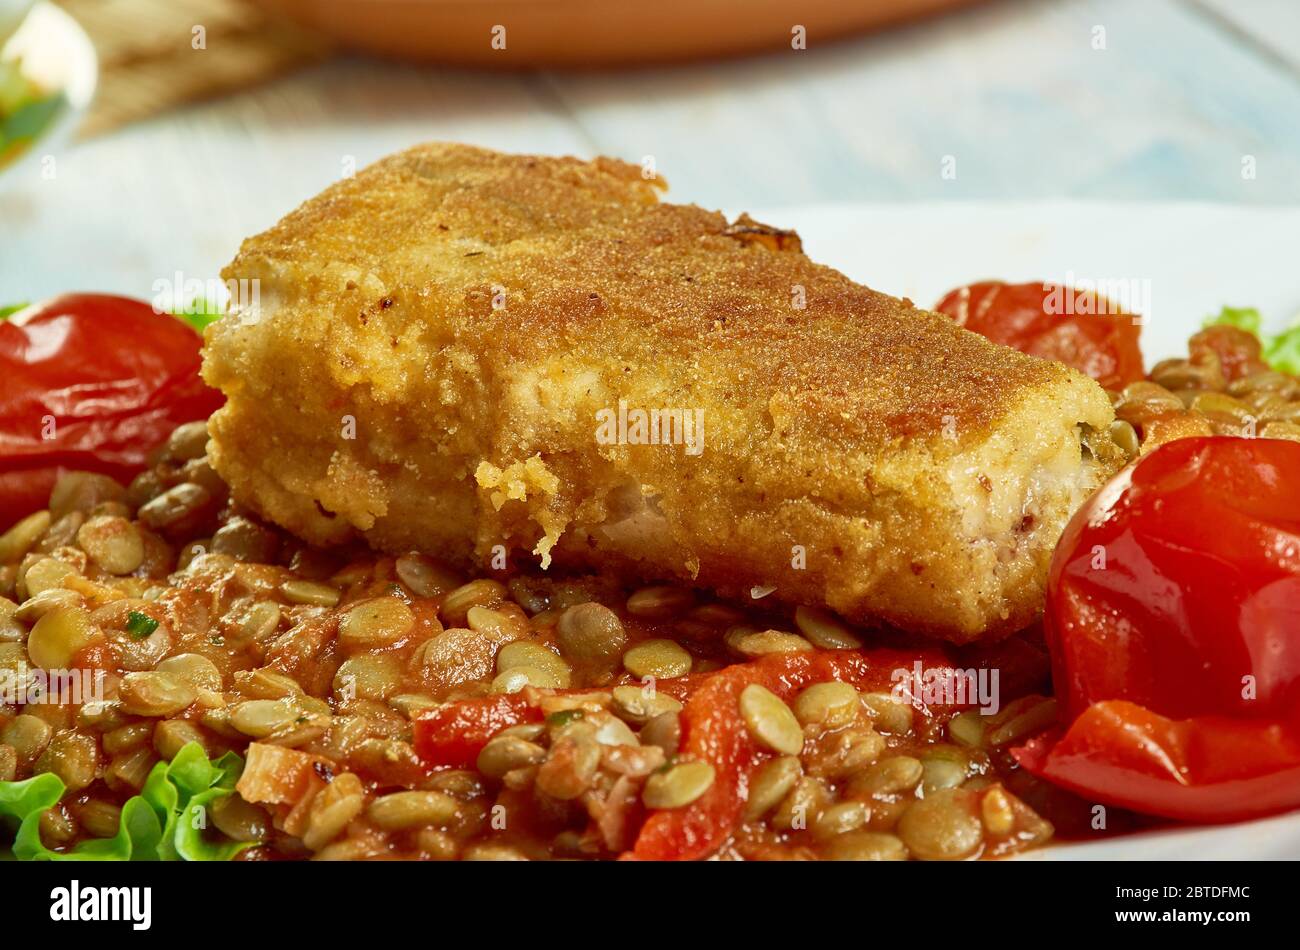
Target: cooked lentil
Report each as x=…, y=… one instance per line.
x=591, y=632
x=267, y=648
x=659, y=603
x=676, y=786
x=770, y=720
x=1223, y=387
x=824, y=631
x=661, y=659
x=772, y=783
x=756, y=643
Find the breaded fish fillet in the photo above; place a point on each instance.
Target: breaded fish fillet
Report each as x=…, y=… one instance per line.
x=464, y=352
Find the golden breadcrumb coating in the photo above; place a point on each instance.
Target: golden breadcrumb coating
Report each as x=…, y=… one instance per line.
x=454, y=348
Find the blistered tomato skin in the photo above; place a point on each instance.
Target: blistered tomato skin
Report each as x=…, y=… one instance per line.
x=91, y=382
x=1173, y=621
x=1053, y=322
x=1180, y=579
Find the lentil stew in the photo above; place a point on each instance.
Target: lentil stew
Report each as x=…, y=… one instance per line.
x=390, y=708
x=163, y=650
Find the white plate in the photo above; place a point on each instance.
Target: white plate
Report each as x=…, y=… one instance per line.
x=1268, y=839
x=1191, y=259
x=1195, y=258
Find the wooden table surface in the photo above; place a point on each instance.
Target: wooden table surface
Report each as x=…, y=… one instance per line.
x=1014, y=96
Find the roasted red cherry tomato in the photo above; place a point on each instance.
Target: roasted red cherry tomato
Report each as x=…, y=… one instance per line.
x=1078, y=328
x=90, y=382
x=1173, y=620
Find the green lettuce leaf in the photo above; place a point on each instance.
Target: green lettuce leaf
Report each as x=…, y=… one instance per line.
x=200, y=313
x=192, y=843
x=167, y=821
x=1283, y=351
x=31, y=796
x=1243, y=318
x=137, y=838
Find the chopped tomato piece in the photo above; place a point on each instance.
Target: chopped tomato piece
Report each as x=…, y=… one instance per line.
x=1079, y=328
x=713, y=731
x=275, y=775
x=90, y=382
x=712, y=728
x=1173, y=621
x=453, y=735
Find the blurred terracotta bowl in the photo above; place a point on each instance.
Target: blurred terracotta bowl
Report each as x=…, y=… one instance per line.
x=594, y=33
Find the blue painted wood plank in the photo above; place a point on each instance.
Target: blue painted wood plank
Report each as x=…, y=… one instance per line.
x=1015, y=92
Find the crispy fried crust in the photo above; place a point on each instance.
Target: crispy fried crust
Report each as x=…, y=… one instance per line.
x=474, y=312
